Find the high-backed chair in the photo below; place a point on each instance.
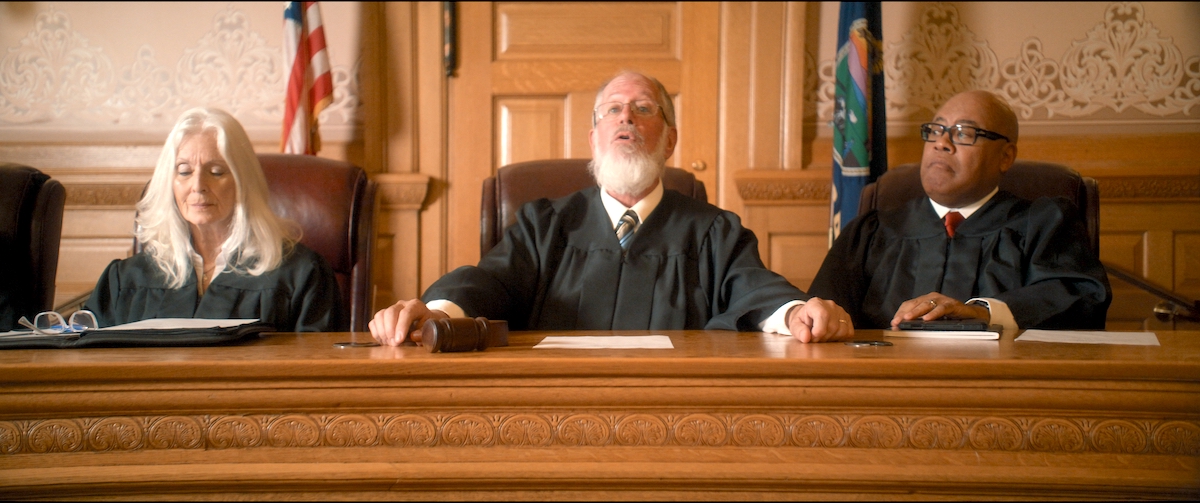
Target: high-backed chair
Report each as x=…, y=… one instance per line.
x=1025, y=179
x=519, y=183
x=31, y=215
x=334, y=204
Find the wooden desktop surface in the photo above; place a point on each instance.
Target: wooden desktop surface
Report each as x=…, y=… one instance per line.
x=722, y=415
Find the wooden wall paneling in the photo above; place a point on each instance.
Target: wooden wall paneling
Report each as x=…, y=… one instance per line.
x=432, y=141
x=530, y=128
x=796, y=130
x=789, y=211
x=1153, y=239
x=767, y=23
x=402, y=97
x=734, y=126
x=585, y=31
x=470, y=134
x=697, y=108
x=763, y=131
x=1187, y=261
x=579, y=106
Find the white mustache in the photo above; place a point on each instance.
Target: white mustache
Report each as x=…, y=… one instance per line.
x=631, y=130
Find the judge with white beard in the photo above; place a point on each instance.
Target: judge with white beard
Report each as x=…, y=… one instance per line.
x=624, y=255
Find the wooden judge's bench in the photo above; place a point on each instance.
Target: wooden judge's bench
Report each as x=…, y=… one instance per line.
x=722, y=415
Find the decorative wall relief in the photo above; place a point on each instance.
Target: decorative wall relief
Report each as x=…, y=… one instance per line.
x=54, y=71
x=1123, y=64
x=935, y=60
x=233, y=66
x=56, y=77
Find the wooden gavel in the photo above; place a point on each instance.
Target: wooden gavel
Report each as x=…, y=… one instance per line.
x=453, y=335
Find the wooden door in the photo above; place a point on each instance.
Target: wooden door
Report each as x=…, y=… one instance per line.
x=527, y=80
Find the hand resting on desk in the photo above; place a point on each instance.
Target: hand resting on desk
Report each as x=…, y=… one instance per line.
x=933, y=306
x=402, y=321
x=817, y=320
x=820, y=320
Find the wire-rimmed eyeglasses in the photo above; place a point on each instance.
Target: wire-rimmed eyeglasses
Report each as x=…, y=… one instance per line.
x=612, y=109
x=52, y=323
x=962, y=134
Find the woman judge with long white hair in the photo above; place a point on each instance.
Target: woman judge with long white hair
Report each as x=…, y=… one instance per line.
x=212, y=247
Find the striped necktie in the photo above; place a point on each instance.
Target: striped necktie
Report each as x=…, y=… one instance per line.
x=625, y=228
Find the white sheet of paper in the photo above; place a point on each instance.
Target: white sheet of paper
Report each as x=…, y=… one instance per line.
x=607, y=342
x=1082, y=337
x=179, y=323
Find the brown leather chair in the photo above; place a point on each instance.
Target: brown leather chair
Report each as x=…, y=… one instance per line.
x=334, y=204
x=519, y=183
x=31, y=215
x=1026, y=179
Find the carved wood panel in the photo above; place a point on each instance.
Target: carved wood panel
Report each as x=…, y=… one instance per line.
x=530, y=128
x=549, y=30
x=587, y=428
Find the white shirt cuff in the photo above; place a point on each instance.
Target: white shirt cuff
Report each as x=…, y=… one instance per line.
x=1000, y=313
x=445, y=306
x=777, y=322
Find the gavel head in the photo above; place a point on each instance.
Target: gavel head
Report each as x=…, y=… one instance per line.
x=452, y=335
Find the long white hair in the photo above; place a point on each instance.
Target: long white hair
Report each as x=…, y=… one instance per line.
x=258, y=238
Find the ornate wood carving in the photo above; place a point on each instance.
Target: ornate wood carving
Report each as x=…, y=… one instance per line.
x=589, y=429
x=402, y=191
x=103, y=195
x=1156, y=187
x=784, y=190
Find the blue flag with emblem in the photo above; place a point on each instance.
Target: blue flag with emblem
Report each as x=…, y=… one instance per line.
x=859, y=122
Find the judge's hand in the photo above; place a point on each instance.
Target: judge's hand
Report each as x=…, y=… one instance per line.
x=933, y=305
x=819, y=320
x=403, y=320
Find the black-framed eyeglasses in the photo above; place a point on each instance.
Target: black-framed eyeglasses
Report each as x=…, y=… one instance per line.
x=612, y=109
x=960, y=134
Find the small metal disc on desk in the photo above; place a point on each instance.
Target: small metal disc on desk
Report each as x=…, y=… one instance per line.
x=352, y=344
x=862, y=344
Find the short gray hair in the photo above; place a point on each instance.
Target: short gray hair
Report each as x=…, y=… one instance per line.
x=661, y=95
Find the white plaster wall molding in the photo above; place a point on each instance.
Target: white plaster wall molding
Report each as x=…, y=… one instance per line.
x=233, y=68
x=56, y=86
x=935, y=60
x=144, y=92
x=1030, y=80
x=1123, y=70
x=53, y=71
x=1124, y=62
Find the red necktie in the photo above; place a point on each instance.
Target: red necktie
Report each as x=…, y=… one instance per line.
x=952, y=220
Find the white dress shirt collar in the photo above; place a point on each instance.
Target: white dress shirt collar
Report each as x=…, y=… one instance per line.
x=643, y=208
x=967, y=210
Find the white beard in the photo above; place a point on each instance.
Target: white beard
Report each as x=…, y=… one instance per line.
x=628, y=169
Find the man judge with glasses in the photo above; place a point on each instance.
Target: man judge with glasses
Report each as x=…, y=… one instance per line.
x=625, y=254
x=969, y=250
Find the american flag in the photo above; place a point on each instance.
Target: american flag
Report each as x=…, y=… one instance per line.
x=309, y=83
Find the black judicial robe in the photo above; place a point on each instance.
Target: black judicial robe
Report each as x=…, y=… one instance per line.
x=301, y=295
x=690, y=265
x=1034, y=256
